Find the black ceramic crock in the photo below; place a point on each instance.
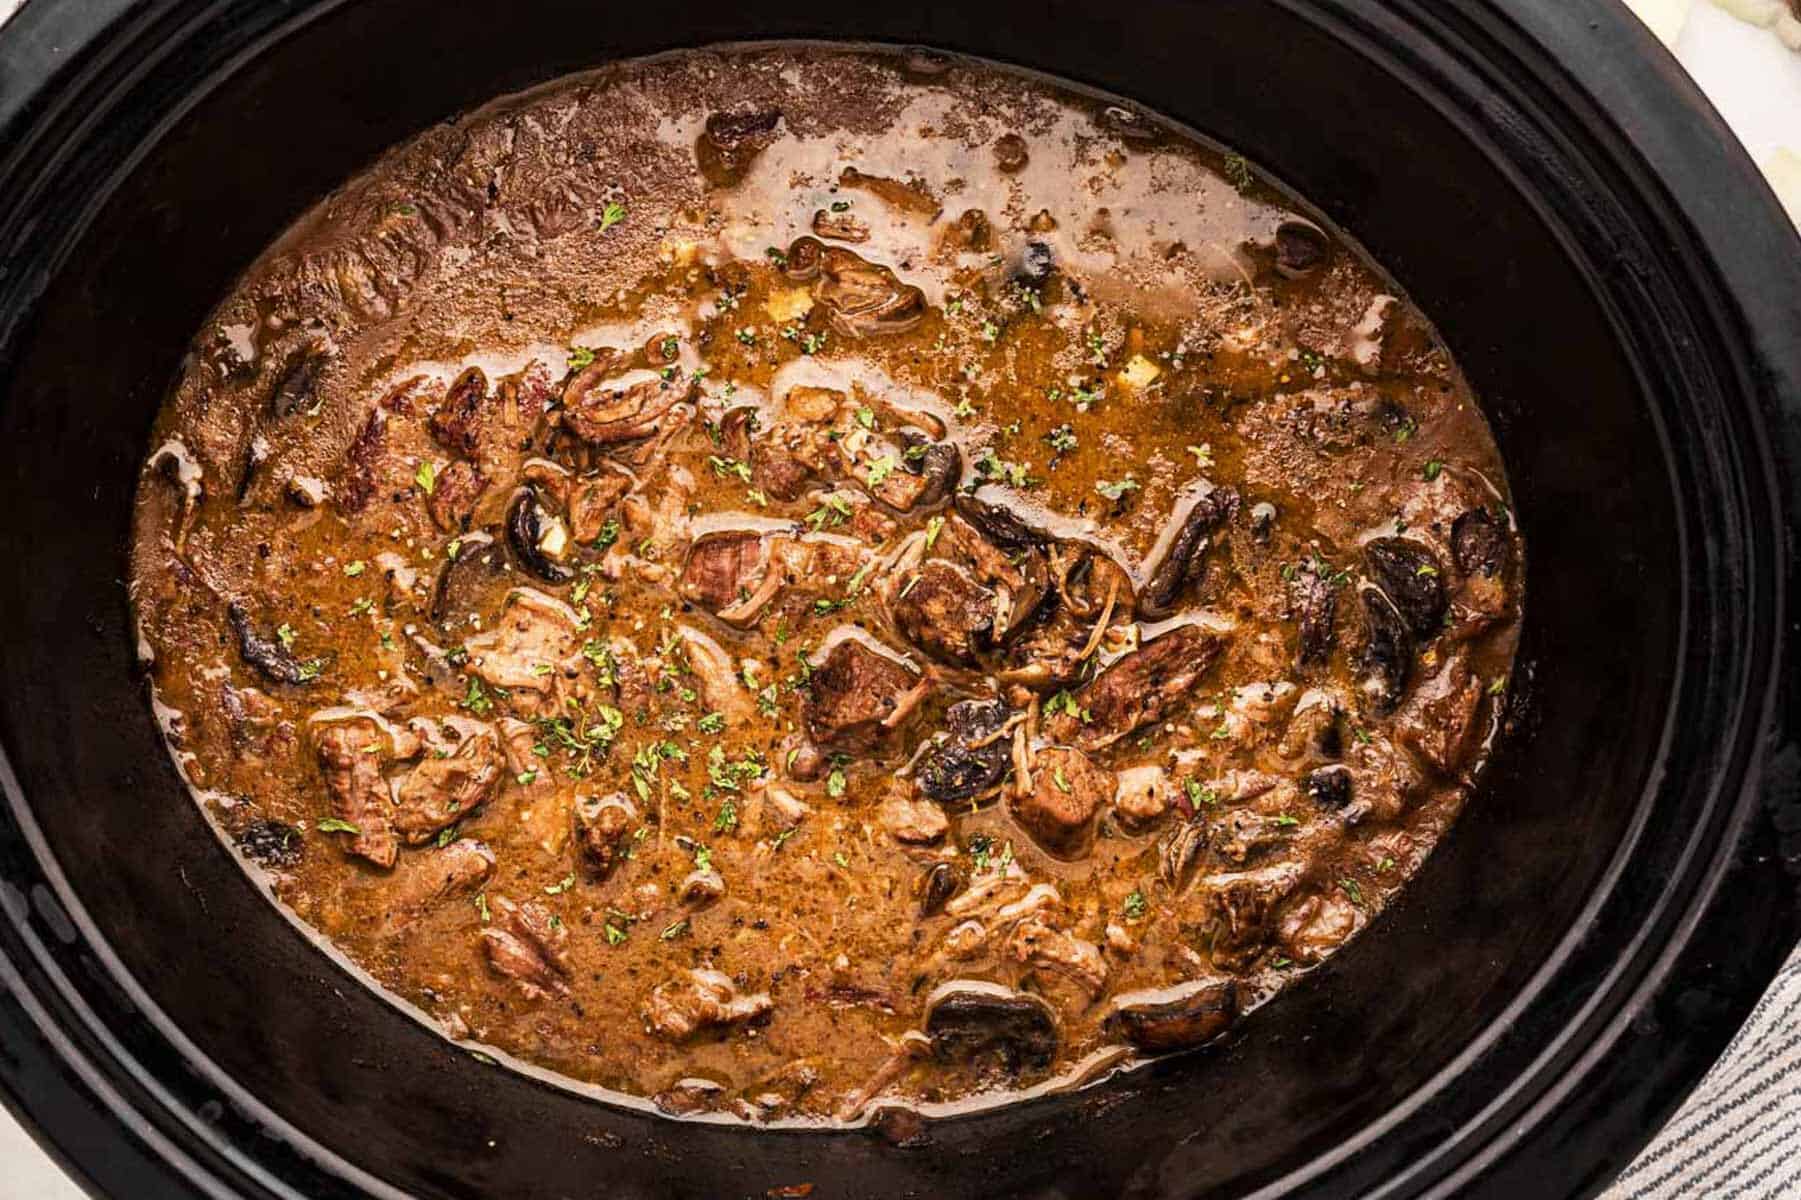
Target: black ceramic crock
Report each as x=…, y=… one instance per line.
x=1618, y=283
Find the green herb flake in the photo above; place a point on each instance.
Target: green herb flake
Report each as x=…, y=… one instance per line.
x=611, y=215
x=426, y=477
x=337, y=825
x=353, y=569
x=1136, y=906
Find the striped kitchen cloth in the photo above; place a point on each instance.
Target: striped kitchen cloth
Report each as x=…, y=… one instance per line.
x=1738, y=1137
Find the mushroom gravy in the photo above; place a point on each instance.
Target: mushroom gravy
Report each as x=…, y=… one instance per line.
x=786, y=582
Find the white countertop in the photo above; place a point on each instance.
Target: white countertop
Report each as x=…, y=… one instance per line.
x=1755, y=82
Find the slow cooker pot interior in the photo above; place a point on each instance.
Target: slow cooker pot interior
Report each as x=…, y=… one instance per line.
x=1300, y=1077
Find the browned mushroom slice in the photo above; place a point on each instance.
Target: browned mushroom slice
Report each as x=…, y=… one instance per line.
x=840, y=226
x=945, y=613
x=707, y=1000
x=1065, y=794
x=351, y=750
x=1388, y=649
x=457, y=421
x=1174, y=1018
x=1479, y=543
x=971, y=1020
x=454, y=494
x=473, y=574
x=270, y=656
x=528, y=944
x=972, y=759
x=602, y=408
x=429, y=881
x=298, y=388
x=537, y=538
x=1140, y=689
x=1184, y=557
x=602, y=826
x=859, y=696
x=1408, y=573
x=730, y=142
x=1315, y=604
x=439, y=792
x=862, y=298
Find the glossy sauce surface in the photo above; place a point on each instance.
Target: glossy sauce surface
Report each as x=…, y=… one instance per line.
x=789, y=582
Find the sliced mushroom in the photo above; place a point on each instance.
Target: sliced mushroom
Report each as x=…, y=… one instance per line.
x=998, y=524
x=1178, y=852
x=971, y=1020
x=730, y=142
x=1329, y=787
x=1175, y=1018
x=1315, y=602
x=936, y=887
x=863, y=299
x=533, y=534
x=1387, y=652
x=1409, y=574
x=973, y=759
x=1301, y=249
x=298, y=388
x=271, y=659
x=602, y=825
x=939, y=463
x=468, y=579
x=1185, y=557
x=1478, y=543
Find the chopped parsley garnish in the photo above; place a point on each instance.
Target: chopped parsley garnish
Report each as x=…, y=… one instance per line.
x=560, y=886
x=353, y=569
x=671, y=932
x=834, y=783
x=426, y=477
x=476, y=699
x=337, y=825
x=727, y=820
x=611, y=215
x=1136, y=905
x=1432, y=468
x=579, y=357
x=1115, y=489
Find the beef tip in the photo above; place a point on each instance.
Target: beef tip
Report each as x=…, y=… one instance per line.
x=457, y=421
x=936, y=887
x=350, y=756
x=1408, y=573
x=1478, y=543
x=1043, y=947
x=429, y=880
x=1174, y=1018
x=453, y=496
x=536, y=538
x=439, y=792
x=1067, y=793
x=730, y=142
x=1010, y=153
x=271, y=659
x=858, y=696
x=360, y=476
x=724, y=570
x=1185, y=557
x=602, y=826
x=1387, y=651
x=1314, y=926
x=690, y=1095
x=1315, y=602
x=603, y=411
x=1329, y=787
x=298, y=388
x=945, y=613
x=271, y=844
x=1140, y=689
x=864, y=299
x=1018, y=575
x=1179, y=851
x=1241, y=907
x=529, y=945
x=534, y=631
x=912, y=822
x=1439, y=725
x=972, y=1020
x=591, y=502
x=775, y=468
x=959, y=768
x=706, y=1001
x=1301, y=249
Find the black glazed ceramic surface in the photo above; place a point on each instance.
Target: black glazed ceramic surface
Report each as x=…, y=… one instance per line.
x=1608, y=269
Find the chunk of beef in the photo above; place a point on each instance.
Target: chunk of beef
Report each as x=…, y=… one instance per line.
x=603, y=825
x=730, y=141
x=1174, y=1018
x=1439, y=723
x=725, y=570
x=707, y=1001
x=457, y=421
x=1329, y=787
x=912, y=822
x=1042, y=946
x=1241, y=906
x=858, y=696
x=439, y=792
x=364, y=464
x=1314, y=926
x=591, y=502
x=973, y=759
x=1407, y=572
x=526, y=943
x=603, y=409
x=454, y=494
x=1178, y=852
x=776, y=469
x=1066, y=795
x=1143, y=795
x=945, y=613
x=1184, y=557
x=1018, y=576
x=1142, y=688
x=429, y=881
x=839, y=226
x=533, y=645
x=350, y=754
